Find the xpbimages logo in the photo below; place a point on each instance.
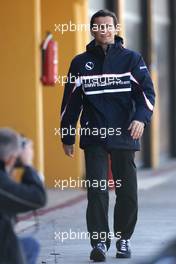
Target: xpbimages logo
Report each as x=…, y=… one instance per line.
x=82, y=27
x=86, y=183
x=81, y=235
x=102, y=132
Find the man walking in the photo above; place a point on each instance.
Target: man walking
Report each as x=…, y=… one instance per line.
x=114, y=93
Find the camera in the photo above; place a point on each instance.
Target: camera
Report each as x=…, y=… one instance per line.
x=24, y=141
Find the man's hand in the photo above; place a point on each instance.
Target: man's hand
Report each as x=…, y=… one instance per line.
x=69, y=150
x=137, y=129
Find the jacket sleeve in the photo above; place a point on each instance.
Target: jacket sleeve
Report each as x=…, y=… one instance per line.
x=21, y=197
x=71, y=105
x=142, y=92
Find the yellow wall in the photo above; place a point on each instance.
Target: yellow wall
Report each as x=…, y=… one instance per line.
x=57, y=165
x=25, y=104
x=20, y=90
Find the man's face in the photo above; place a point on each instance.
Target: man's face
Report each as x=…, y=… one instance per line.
x=103, y=30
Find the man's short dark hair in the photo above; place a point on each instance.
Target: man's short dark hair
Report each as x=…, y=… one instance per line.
x=10, y=143
x=103, y=13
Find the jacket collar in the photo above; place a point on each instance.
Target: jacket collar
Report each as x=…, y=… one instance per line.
x=93, y=47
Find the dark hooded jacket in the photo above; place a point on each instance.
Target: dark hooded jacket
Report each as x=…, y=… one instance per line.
x=110, y=91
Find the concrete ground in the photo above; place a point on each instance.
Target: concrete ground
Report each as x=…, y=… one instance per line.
x=66, y=209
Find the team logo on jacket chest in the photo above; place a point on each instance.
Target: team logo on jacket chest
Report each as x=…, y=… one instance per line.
x=106, y=83
x=89, y=65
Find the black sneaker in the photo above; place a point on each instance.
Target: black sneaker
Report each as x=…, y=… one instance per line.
x=98, y=253
x=123, y=249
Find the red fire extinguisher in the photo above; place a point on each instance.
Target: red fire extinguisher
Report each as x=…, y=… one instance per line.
x=49, y=49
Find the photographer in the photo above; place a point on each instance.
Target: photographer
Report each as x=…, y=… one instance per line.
x=16, y=198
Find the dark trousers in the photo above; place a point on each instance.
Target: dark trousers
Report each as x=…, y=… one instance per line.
x=126, y=205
